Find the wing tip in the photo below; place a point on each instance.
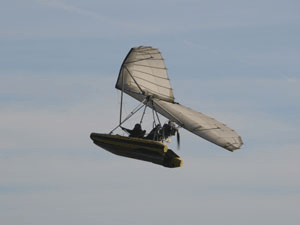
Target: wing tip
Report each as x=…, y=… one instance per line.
x=234, y=146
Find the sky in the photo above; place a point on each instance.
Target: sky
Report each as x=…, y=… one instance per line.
x=236, y=61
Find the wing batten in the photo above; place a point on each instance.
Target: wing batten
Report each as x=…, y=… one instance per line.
x=150, y=82
x=143, y=72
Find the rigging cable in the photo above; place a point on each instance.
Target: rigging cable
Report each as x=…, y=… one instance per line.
x=141, y=105
x=143, y=114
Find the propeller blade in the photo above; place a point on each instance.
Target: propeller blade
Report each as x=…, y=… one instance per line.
x=178, y=140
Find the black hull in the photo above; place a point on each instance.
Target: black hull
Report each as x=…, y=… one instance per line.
x=137, y=148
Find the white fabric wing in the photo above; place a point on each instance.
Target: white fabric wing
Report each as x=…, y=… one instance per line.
x=143, y=71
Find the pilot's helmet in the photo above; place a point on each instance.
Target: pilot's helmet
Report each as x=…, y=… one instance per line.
x=137, y=126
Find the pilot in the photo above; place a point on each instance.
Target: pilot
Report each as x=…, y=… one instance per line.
x=155, y=134
x=136, y=131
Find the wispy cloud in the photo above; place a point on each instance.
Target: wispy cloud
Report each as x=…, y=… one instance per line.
x=106, y=21
x=294, y=81
x=60, y=4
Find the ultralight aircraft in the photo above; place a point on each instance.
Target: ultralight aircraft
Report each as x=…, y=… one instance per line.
x=143, y=76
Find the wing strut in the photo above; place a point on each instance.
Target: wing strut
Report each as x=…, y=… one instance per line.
x=141, y=105
x=121, y=106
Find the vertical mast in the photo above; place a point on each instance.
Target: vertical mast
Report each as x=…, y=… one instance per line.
x=121, y=100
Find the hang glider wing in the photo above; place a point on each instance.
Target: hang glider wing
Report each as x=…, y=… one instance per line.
x=143, y=73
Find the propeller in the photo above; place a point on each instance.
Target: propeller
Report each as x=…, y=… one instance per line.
x=170, y=129
x=178, y=138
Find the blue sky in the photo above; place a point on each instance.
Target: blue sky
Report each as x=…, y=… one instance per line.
x=237, y=61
